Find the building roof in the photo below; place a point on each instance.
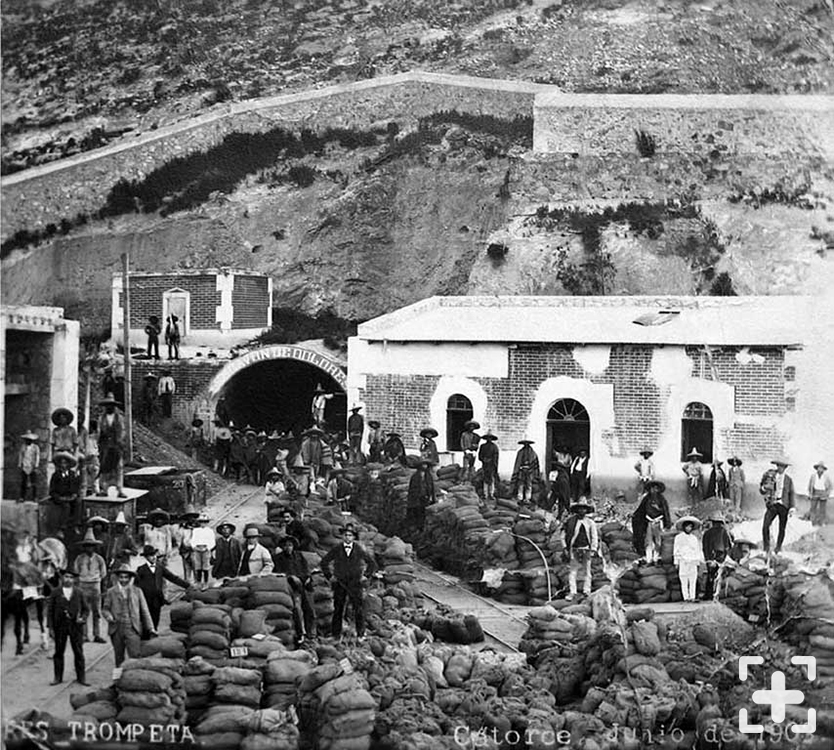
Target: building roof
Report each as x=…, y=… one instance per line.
x=717, y=321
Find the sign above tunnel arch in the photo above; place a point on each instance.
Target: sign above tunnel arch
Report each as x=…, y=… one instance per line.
x=328, y=365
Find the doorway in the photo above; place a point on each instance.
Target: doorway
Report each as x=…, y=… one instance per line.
x=697, y=431
x=177, y=302
x=569, y=425
x=458, y=412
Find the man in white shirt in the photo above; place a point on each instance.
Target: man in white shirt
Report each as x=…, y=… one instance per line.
x=581, y=542
x=202, y=545
x=167, y=388
x=819, y=490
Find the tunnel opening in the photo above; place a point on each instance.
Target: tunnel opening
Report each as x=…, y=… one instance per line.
x=278, y=394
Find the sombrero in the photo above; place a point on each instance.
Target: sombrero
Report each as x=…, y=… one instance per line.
x=159, y=512
x=356, y=408
x=489, y=436
x=319, y=389
x=695, y=453
x=262, y=435
x=62, y=411
x=66, y=456
x=226, y=523
x=274, y=472
x=310, y=431
x=124, y=569
x=822, y=464
x=89, y=539
x=429, y=432
x=681, y=522
x=471, y=425
x=526, y=442
x=150, y=376
x=98, y=519
x=744, y=540
x=781, y=462
x=29, y=436
x=108, y=400
x=373, y=423
x=273, y=435
x=393, y=434
x=646, y=452
x=425, y=462
x=249, y=430
x=734, y=461
x=655, y=483
x=120, y=519
x=716, y=517
x=289, y=538
x=586, y=505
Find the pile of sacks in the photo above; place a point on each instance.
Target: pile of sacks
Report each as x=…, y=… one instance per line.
x=210, y=631
x=536, y=587
x=395, y=480
x=271, y=595
x=336, y=711
x=396, y=558
x=534, y=529
x=447, y=477
x=649, y=584
x=271, y=729
x=453, y=530
x=512, y=590
x=235, y=697
x=503, y=515
x=151, y=691
x=808, y=598
x=750, y=591
x=198, y=686
x=618, y=538
x=94, y=706
x=282, y=673
x=369, y=496
x=446, y=624
x=169, y=646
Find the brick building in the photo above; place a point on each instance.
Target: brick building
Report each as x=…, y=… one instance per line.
x=614, y=375
x=39, y=370
x=215, y=307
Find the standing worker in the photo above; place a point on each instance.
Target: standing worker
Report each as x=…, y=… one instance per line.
x=717, y=482
x=91, y=570
x=65, y=491
x=320, y=399
x=167, y=388
x=355, y=428
x=648, y=522
x=645, y=472
x=717, y=544
x=150, y=578
x=172, y=337
x=28, y=462
x=394, y=451
x=289, y=561
x=152, y=330
x=469, y=444
x=112, y=435
x=777, y=489
x=339, y=490
x=819, y=490
x=420, y=496
x=66, y=613
x=375, y=441
x=428, y=448
x=64, y=435
x=488, y=455
x=581, y=540
x=127, y=615
x=688, y=555
x=227, y=552
x=525, y=472
x=580, y=482
x=351, y=565
x=694, y=471
x=202, y=548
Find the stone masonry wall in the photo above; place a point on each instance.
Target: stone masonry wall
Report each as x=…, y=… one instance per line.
x=191, y=376
x=146, y=298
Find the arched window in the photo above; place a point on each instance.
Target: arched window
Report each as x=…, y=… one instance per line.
x=568, y=429
x=458, y=412
x=697, y=431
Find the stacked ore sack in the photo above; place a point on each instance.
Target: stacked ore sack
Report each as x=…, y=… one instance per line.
x=271, y=595
x=532, y=528
x=649, y=584
x=503, y=515
x=210, y=631
x=369, y=499
x=618, y=538
x=270, y=729
x=452, y=530
x=282, y=673
x=391, y=520
x=396, y=559
x=95, y=706
x=336, y=711
x=808, y=611
x=445, y=624
x=750, y=591
x=198, y=686
x=151, y=691
x=447, y=477
x=169, y=646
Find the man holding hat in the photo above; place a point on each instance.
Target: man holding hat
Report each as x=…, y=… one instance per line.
x=375, y=441
x=581, y=540
x=525, y=472
x=469, y=444
x=65, y=489
x=150, y=578
x=350, y=565
x=428, y=448
x=166, y=390
x=776, y=488
x=339, y=490
x=735, y=483
x=66, y=614
x=290, y=562
x=127, y=615
x=488, y=455
x=91, y=570
x=649, y=520
x=64, y=436
x=645, y=472
x=420, y=496
x=28, y=461
x=717, y=544
x=202, y=545
x=688, y=555
x=227, y=552
x=255, y=559
x=694, y=471
x=819, y=490
x=355, y=428
x=111, y=445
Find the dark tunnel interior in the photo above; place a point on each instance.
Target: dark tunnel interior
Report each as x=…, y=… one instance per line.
x=278, y=394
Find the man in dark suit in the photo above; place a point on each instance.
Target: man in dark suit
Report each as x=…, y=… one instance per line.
x=289, y=561
x=127, y=615
x=151, y=577
x=580, y=482
x=66, y=614
x=351, y=564
x=227, y=552
x=777, y=488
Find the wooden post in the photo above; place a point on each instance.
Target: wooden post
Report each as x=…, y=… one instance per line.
x=126, y=344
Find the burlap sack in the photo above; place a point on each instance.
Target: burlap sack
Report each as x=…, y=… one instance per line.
x=252, y=622
x=243, y=695
x=235, y=676
x=144, y=680
x=198, y=684
x=101, y=710
x=143, y=699
x=210, y=640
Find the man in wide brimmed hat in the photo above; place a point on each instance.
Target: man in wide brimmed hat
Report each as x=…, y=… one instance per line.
x=649, y=521
x=122, y=546
x=28, y=461
x=469, y=445
x=428, y=448
x=717, y=544
x=526, y=471
x=152, y=331
x=317, y=407
x=312, y=448
x=420, y=496
x=222, y=448
x=150, y=392
x=819, y=490
x=581, y=540
x=289, y=561
x=645, y=471
x=159, y=533
x=777, y=491
x=735, y=482
x=688, y=555
x=339, y=490
x=111, y=445
x=717, y=482
x=355, y=430
x=91, y=570
x=488, y=455
x=227, y=552
x=393, y=451
x=64, y=435
x=127, y=614
x=66, y=613
x=694, y=471
x=255, y=560
x=172, y=336
x=275, y=489
x=376, y=439
x=742, y=548
x=166, y=389
x=65, y=491
x=181, y=533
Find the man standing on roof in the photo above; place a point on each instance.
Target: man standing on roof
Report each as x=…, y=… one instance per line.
x=469, y=444
x=694, y=471
x=356, y=428
x=581, y=540
x=736, y=481
x=525, y=472
x=488, y=454
x=111, y=445
x=819, y=490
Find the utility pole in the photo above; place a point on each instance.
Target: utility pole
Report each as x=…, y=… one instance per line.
x=126, y=344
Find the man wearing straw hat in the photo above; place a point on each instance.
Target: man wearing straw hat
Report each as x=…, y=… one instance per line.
x=777, y=490
x=65, y=489
x=150, y=391
x=159, y=534
x=428, y=448
x=420, y=496
x=819, y=490
x=64, y=436
x=66, y=614
x=28, y=462
x=376, y=439
x=581, y=540
x=735, y=482
x=91, y=570
x=688, y=555
x=394, y=451
x=717, y=544
x=525, y=472
x=694, y=471
x=649, y=520
x=488, y=455
x=320, y=399
x=645, y=472
x=469, y=444
x=152, y=330
x=122, y=546
x=111, y=445
x=355, y=428
x=127, y=614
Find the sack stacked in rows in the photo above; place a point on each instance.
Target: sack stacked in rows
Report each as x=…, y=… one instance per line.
x=337, y=712
x=512, y=589
x=536, y=588
x=809, y=598
x=151, y=691
x=270, y=729
x=198, y=687
x=620, y=541
x=503, y=515
x=533, y=529
x=210, y=632
x=395, y=482
x=744, y=589
x=397, y=561
x=496, y=550
x=282, y=674
x=322, y=596
x=464, y=494
x=271, y=594
x=169, y=646
x=223, y=727
x=648, y=584
x=369, y=497
x=451, y=532
x=180, y=613
x=237, y=686
x=447, y=477
x=548, y=628
x=95, y=705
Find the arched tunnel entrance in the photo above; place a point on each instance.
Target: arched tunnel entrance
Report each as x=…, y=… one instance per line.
x=272, y=389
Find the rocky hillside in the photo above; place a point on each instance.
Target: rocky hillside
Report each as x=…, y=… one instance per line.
x=77, y=73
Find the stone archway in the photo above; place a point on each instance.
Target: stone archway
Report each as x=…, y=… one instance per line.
x=272, y=387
